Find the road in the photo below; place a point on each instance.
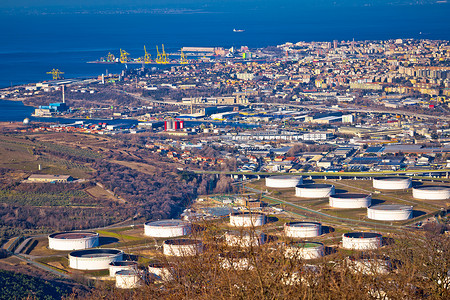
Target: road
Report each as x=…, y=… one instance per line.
x=309, y=107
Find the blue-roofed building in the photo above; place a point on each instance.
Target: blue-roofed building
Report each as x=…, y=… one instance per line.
x=375, y=150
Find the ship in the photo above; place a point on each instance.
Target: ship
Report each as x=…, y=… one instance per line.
x=238, y=30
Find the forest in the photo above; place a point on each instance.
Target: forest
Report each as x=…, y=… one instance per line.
x=411, y=266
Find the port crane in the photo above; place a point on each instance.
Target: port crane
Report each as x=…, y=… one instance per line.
x=158, y=56
x=183, y=59
x=55, y=73
x=124, y=56
x=147, y=57
x=164, y=55
x=110, y=57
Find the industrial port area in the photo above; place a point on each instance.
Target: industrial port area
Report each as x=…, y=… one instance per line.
x=252, y=171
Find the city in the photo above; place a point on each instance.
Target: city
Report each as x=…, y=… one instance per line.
x=304, y=170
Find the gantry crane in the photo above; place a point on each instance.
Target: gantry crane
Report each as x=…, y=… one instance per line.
x=110, y=57
x=147, y=57
x=124, y=56
x=183, y=59
x=158, y=56
x=165, y=57
x=56, y=74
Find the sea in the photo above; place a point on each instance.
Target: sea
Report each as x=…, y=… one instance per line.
x=33, y=43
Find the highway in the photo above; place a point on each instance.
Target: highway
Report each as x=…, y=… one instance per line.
x=310, y=107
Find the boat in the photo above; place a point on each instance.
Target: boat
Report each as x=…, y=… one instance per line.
x=238, y=30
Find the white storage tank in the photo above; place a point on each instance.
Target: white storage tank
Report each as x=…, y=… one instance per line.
x=73, y=240
x=369, y=266
x=361, y=240
x=167, y=228
x=161, y=271
x=94, y=259
x=182, y=247
x=116, y=266
x=304, y=250
x=392, y=183
x=437, y=192
x=390, y=212
x=302, y=229
x=314, y=190
x=247, y=219
x=348, y=200
x=235, y=260
x=128, y=279
x=283, y=181
x=245, y=238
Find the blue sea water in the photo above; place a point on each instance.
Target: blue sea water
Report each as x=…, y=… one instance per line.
x=33, y=44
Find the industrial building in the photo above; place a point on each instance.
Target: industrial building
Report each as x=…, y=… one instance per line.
x=302, y=229
x=437, y=192
x=94, y=259
x=314, y=190
x=49, y=178
x=392, y=183
x=73, y=240
x=182, y=247
x=167, y=228
x=283, y=181
x=361, y=240
x=304, y=250
x=348, y=200
x=390, y=212
x=247, y=219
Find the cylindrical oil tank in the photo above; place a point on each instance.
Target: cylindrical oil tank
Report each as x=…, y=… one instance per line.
x=314, y=190
x=167, y=228
x=94, y=259
x=361, y=240
x=370, y=266
x=247, y=219
x=235, y=260
x=302, y=229
x=116, y=266
x=73, y=240
x=304, y=250
x=161, y=271
x=182, y=247
x=436, y=192
x=390, y=212
x=283, y=181
x=128, y=279
x=349, y=200
x=392, y=183
x=245, y=238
